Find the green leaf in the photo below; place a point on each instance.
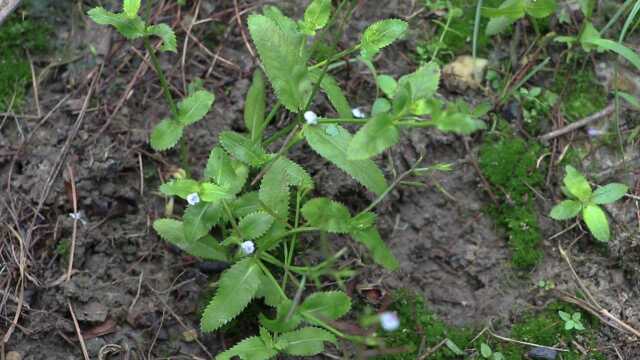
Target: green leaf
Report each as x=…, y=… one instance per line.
x=618, y=48
x=131, y=7
x=246, y=204
x=270, y=292
x=457, y=122
x=380, y=252
x=485, y=350
x=388, y=85
x=205, y=247
x=284, y=61
x=567, y=209
x=130, y=28
x=242, y=148
x=252, y=348
x=254, y=107
x=165, y=135
x=164, y=32
x=332, y=143
x=274, y=188
x=381, y=34
x=423, y=82
x=327, y=215
x=498, y=24
x=336, y=97
x=307, y=341
x=402, y=100
x=631, y=99
x=255, y=225
x=512, y=9
x=454, y=347
x=381, y=105
x=588, y=35
x=327, y=305
x=285, y=319
x=564, y=315
x=236, y=287
x=194, y=107
x=377, y=135
x=200, y=218
x=540, y=8
x=226, y=172
x=213, y=192
x=316, y=16
x=180, y=187
x=609, y=193
x=597, y=222
x=577, y=184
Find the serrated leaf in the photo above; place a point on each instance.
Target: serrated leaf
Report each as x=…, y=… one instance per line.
x=164, y=32
x=497, y=25
x=609, y=193
x=362, y=221
x=540, y=8
x=423, y=82
x=213, y=192
x=388, y=85
x=566, y=209
x=205, y=247
x=327, y=215
x=236, y=287
x=597, y=222
x=242, y=148
x=327, y=305
x=280, y=48
x=255, y=225
x=335, y=95
x=254, y=107
x=332, y=143
x=252, y=348
x=270, y=292
x=381, y=34
x=288, y=25
x=131, y=7
x=246, y=204
x=180, y=187
x=130, y=28
x=200, y=218
x=274, y=188
x=577, y=184
x=283, y=321
x=194, y=107
x=377, y=135
x=316, y=16
x=380, y=252
x=226, y=172
x=307, y=341
x=165, y=135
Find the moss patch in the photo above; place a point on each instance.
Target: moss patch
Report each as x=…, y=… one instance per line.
x=583, y=94
x=509, y=164
x=420, y=326
x=17, y=36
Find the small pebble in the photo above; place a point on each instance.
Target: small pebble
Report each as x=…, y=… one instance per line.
x=540, y=353
x=13, y=355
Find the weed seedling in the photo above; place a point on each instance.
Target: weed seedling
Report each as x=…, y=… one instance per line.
x=259, y=202
x=586, y=202
x=488, y=353
x=571, y=321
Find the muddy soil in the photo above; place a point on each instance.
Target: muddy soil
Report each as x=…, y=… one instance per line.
x=134, y=297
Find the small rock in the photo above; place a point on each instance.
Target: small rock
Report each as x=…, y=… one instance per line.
x=540, y=353
x=92, y=312
x=13, y=355
x=464, y=73
x=190, y=335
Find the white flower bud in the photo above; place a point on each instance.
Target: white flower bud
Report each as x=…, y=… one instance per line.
x=248, y=247
x=389, y=321
x=311, y=118
x=193, y=198
x=358, y=114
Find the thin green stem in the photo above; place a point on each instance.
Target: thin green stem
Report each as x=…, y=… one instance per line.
x=341, y=121
x=476, y=29
x=166, y=90
x=270, y=276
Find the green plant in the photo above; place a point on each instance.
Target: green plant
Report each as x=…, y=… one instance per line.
x=261, y=222
x=511, y=11
x=571, y=321
x=583, y=200
x=488, y=353
x=536, y=104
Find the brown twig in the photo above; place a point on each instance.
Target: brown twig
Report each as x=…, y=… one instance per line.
x=74, y=201
x=242, y=32
x=580, y=123
x=474, y=163
x=85, y=353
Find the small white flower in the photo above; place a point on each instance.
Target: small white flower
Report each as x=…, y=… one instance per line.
x=595, y=132
x=248, y=247
x=78, y=216
x=389, y=321
x=358, y=114
x=193, y=198
x=311, y=118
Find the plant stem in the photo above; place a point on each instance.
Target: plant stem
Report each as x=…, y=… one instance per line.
x=341, y=121
x=166, y=90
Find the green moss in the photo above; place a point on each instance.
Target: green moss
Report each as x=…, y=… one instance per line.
x=18, y=36
x=509, y=164
x=583, y=94
x=421, y=327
